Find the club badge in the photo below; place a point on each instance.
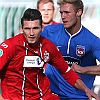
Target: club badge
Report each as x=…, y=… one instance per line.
x=46, y=56
x=80, y=50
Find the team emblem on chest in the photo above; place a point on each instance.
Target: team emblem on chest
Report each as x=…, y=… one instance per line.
x=80, y=50
x=46, y=56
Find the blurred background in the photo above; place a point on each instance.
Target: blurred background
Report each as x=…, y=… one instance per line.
x=12, y=10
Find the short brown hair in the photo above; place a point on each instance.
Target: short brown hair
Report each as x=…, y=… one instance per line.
x=31, y=15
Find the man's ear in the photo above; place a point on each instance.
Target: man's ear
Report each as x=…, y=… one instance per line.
x=79, y=12
x=20, y=29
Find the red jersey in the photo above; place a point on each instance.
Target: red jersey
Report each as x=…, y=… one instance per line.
x=53, y=22
x=22, y=67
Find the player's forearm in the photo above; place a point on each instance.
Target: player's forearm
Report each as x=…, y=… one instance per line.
x=95, y=70
x=80, y=85
x=71, y=77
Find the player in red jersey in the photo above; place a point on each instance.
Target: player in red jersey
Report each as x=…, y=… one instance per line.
x=23, y=59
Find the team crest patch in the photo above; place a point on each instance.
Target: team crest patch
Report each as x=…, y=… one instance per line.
x=80, y=50
x=1, y=52
x=46, y=56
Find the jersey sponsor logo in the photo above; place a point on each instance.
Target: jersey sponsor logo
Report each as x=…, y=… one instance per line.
x=80, y=50
x=33, y=61
x=38, y=60
x=1, y=52
x=4, y=45
x=46, y=56
x=71, y=60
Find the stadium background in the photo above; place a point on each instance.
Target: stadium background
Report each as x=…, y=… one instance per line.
x=12, y=10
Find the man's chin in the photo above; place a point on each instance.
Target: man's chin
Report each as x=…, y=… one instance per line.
x=46, y=22
x=66, y=26
x=31, y=43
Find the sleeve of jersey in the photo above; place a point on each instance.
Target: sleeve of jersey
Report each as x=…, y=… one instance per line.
x=44, y=32
x=47, y=33
x=96, y=48
x=58, y=61
x=6, y=52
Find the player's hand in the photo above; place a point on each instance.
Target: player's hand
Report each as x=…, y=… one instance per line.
x=91, y=95
x=78, y=68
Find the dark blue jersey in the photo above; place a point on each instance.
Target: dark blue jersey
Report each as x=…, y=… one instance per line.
x=82, y=48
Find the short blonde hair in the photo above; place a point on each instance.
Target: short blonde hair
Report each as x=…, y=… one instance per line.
x=78, y=4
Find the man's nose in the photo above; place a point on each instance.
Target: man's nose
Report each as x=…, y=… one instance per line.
x=31, y=32
x=46, y=12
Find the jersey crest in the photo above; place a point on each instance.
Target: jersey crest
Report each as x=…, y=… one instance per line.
x=80, y=50
x=46, y=56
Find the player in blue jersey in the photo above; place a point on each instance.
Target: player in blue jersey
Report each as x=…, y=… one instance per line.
x=77, y=45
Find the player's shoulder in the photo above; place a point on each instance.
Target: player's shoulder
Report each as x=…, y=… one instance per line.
x=14, y=40
x=88, y=33
x=54, y=27
x=90, y=37
x=47, y=42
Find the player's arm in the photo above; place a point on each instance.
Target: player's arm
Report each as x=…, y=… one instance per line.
x=95, y=70
x=69, y=75
x=80, y=85
x=7, y=50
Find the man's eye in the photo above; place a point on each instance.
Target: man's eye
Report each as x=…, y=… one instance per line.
x=36, y=27
x=27, y=28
